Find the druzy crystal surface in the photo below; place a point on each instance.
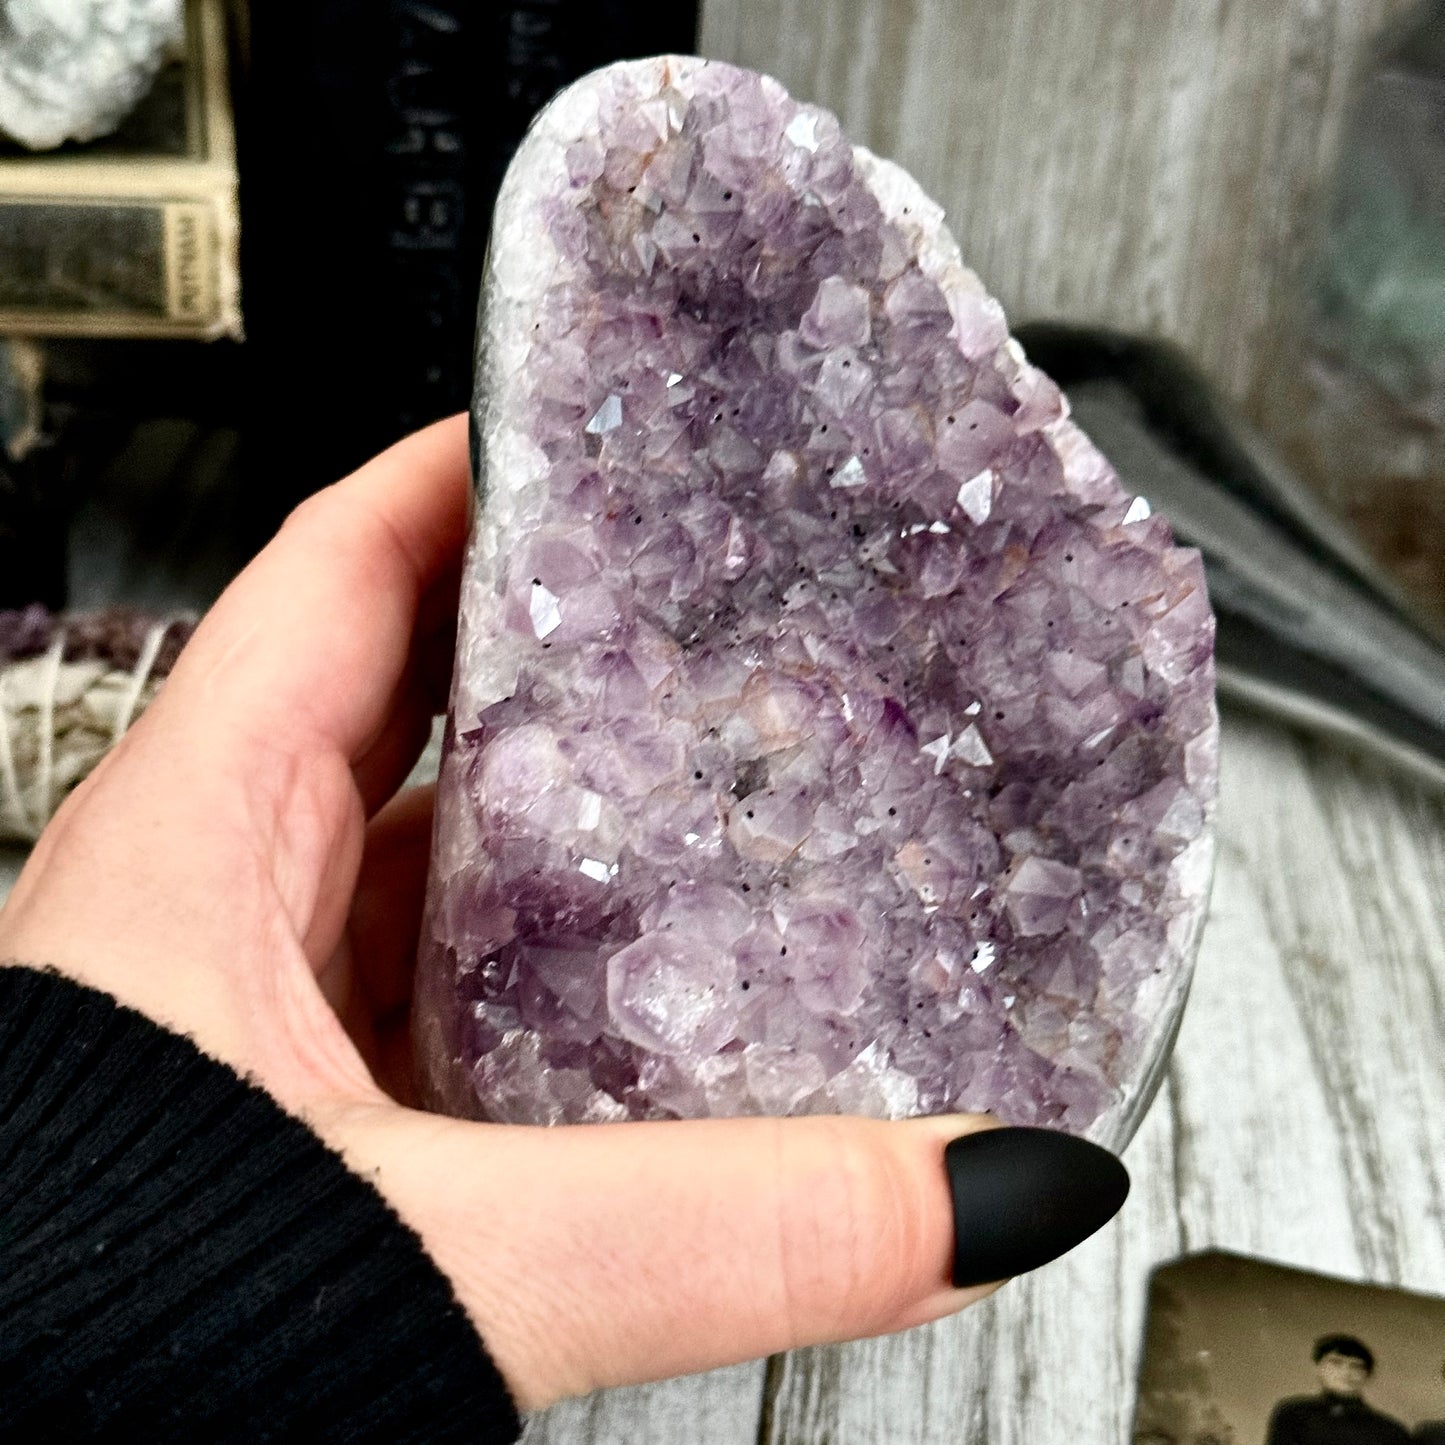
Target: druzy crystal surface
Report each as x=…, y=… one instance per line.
x=830, y=731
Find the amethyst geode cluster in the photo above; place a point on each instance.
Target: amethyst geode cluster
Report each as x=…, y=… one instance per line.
x=830, y=732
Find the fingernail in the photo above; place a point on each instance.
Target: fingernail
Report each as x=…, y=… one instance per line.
x=1022, y=1197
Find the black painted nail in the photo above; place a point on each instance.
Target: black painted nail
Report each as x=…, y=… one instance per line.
x=1022, y=1197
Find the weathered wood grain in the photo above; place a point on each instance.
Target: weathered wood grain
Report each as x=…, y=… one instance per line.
x=1151, y=164
x=720, y=1408
x=1331, y=888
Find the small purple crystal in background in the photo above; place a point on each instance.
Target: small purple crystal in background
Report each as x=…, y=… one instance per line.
x=830, y=732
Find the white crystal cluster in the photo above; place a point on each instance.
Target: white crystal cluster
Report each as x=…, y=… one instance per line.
x=74, y=69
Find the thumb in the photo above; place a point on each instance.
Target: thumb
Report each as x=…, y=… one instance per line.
x=609, y=1254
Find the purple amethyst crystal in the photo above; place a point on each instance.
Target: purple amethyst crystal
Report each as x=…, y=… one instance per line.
x=830, y=731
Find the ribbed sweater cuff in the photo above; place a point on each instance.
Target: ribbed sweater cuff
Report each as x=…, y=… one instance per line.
x=181, y=1259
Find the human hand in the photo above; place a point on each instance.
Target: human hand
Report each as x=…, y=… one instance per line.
x=240, y=870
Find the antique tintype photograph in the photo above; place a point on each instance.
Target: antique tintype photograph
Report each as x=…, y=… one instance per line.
x=1241, y=1352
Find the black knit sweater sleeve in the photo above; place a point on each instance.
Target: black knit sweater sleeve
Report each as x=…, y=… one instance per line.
x=182, y=1260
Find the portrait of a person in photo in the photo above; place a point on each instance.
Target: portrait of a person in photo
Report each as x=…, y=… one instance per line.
x=1339, y=1413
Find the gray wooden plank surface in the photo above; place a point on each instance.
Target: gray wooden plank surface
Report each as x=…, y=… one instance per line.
x=720, y=1408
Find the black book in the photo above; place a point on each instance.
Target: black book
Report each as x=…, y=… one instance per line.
x=374, y=136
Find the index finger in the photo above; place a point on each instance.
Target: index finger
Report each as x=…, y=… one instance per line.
x=315, y=634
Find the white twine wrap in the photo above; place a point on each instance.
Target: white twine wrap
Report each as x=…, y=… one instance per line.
x=139, y=676
x=45, y=772
x=26, y=805
x=14, y=821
